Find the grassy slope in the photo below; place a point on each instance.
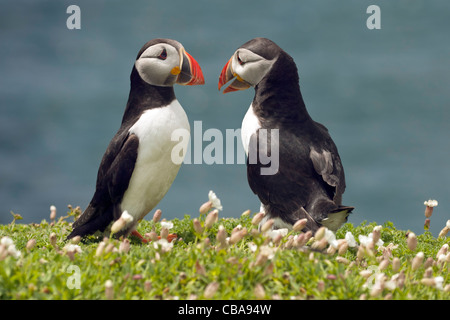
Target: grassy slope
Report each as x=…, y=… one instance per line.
x=194, y=269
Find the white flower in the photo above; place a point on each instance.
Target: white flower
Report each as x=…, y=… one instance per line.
x=163, y=244
x=268, y=252
x=367, y=240
x=364, y=240
x=13, y=251
x=214, y=200
x=252, y=246
x=350, y=239
x=431, y=203
x=331, y=238
x=126, y=217
x=441, y=258
x=438, y=282
x=72, y=248
x=390, y=285
x=120, y=223
x=448, y=224
x=274, y=233
x=166, y=224
x=6, y=241
x=379, y=243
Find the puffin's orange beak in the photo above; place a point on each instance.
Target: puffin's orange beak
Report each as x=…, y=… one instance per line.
x=227, y=75
x=190, y=73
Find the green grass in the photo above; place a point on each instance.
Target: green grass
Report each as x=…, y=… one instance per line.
x=194, y=263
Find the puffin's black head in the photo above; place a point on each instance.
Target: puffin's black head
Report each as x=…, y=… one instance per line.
x=164, y=62
x=264, y=47
x=250, y=64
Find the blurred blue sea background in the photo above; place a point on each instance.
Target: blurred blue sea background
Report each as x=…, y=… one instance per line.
x=383, y=94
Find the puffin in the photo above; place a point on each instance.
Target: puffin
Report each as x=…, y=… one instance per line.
x=137, y=168
x=308, y=180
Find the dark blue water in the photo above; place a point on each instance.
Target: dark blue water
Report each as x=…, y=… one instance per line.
x=384, y=95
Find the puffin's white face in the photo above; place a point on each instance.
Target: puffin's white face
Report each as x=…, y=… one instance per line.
x=250, y=67
x=159, y=65
x=163, y=64
x=247, y=67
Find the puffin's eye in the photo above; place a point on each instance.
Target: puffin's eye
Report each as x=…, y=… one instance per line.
x=239, y=60
x=163, y=55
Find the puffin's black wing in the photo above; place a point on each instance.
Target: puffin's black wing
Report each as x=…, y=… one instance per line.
x=287, y=190
x=113, y=177
x=309, y=171
x=327, y=163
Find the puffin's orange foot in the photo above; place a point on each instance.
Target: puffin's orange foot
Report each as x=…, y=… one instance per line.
x=138, y=235
x=171, y=237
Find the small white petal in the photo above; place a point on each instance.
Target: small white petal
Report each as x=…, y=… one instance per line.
x=390, y=285
x=350, y=239
x=214, y=200
x=16, y=254
x=331, y=238
x=442, y=258
x=165, y=245
x=252, y=246
x=166, y=224
x=438, y=282
x=13, y=251
x=126, y=217
x=268, y=252
x=377, y=228
x=274, y=233
x=72, y=248
x=431, y=203
x=7, y=241
x=365, y=240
